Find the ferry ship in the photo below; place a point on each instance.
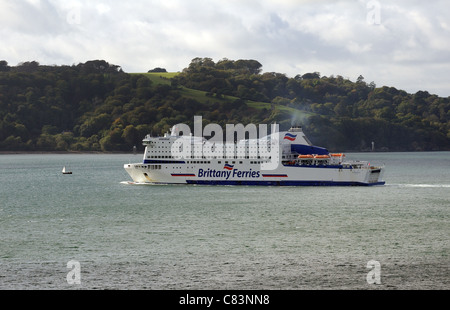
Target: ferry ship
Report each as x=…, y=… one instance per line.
x=297, y=163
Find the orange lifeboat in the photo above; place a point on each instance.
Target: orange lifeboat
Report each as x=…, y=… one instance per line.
x=322, y=156
x=305, y=156
x=337, y=155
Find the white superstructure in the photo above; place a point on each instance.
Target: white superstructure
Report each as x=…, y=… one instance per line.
x=248, y=162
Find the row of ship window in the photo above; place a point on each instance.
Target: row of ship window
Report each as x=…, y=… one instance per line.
x=156, y=167
x=235, y=157
x=213, y=157
x=199, y=146
x=151, y=167
x=201, y=162
x=220, y=162
x=218, y=144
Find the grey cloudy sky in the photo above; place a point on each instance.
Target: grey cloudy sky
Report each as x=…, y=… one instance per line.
x=399, y=43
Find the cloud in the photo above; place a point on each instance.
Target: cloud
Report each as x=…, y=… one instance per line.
x=401, y=43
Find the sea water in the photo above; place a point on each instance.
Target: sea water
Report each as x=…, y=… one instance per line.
x=93, y=230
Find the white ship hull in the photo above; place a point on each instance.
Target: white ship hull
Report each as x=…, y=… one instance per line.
x=214, y=174
x=294, y=169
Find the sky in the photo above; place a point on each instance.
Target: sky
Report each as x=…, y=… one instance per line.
x=397, y=43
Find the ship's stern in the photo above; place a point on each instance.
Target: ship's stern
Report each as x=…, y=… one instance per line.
x=375, y=175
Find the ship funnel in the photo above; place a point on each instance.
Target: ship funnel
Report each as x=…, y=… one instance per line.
x=296, y=128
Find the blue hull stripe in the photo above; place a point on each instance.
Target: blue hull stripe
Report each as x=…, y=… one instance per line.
x=274, y=175
x=183, y=175
x=151, y=161
x=282, y=183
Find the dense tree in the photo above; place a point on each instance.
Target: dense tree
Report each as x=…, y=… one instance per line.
x=95, y=106
x=157, y=69
x=4, y=66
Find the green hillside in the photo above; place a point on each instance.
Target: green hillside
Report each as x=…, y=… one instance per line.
x=205, y=98
x=159, y=77
x=95, y=106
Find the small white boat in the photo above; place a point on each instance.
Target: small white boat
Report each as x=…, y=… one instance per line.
x=64, y=171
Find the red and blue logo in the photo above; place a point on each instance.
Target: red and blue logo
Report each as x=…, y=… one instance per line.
x=228, y=167
x=289, y=136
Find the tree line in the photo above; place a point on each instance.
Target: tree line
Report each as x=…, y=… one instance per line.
x=345, y=114
x=95, y=106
